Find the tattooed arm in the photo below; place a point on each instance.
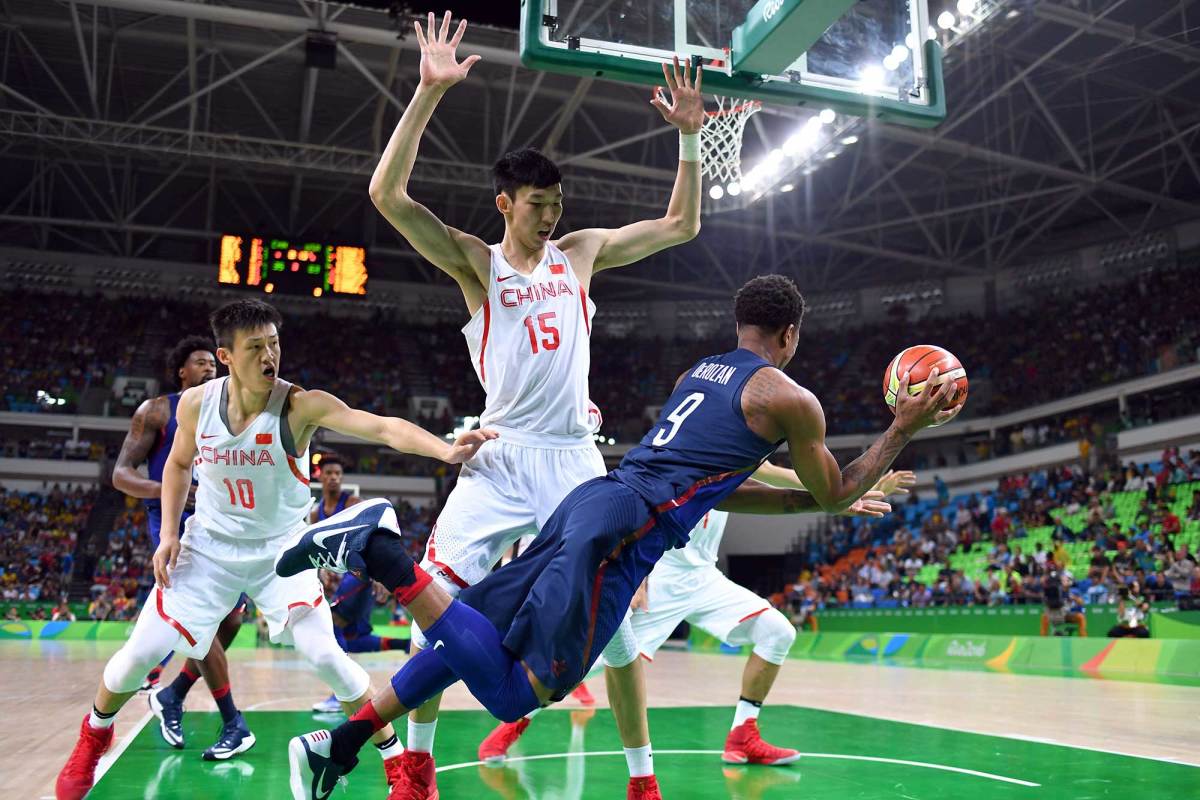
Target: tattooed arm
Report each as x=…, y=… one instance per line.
x=148, y=420
x=753, y=497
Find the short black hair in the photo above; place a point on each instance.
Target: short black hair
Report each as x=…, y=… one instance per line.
x=770, y=302
x=524, y=167
x=242, y=315
x=328, y=459
x=178, y=355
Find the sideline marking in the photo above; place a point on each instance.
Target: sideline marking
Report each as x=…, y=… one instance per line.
x=108, y=759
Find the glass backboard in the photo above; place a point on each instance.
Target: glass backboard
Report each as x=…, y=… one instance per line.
x=869, y=58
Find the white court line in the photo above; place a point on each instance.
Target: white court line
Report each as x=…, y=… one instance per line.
x=838, y=756
x=110, y=758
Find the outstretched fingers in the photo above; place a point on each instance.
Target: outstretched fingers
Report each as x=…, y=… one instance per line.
x=458, y=33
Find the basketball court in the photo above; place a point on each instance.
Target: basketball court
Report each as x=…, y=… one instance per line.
x=866, y=732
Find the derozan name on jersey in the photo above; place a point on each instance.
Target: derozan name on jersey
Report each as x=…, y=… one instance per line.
x=230, y=457
x=514, y=298
x=715, y=373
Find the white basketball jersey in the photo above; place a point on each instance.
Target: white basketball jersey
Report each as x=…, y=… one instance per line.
x=703, y=544
x=249, y=487
x=530, y=345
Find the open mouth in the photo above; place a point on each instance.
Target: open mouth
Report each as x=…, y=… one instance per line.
x=269, y=372
x=544, y=234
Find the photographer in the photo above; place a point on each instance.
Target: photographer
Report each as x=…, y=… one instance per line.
x=1056, y=594
x=1132, y=610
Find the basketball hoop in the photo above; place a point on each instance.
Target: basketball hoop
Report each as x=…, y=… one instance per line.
x=721, y=144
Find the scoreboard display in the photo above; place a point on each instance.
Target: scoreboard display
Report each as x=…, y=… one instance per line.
x=281, y=266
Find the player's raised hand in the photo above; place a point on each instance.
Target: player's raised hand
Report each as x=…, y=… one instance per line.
x=164, y=559
x=685, y=110
x=870, y=504
x=467, y=445
x=440, y=67
x=930, y=406
x=896, y=481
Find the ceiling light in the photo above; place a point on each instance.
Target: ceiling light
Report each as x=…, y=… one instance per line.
x=946, y=20
x=716, y=192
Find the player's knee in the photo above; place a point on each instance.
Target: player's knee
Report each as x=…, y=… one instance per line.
x=622, y=650
x=772, y=635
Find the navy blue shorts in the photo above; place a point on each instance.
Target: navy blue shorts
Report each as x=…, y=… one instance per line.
x=558, y=604
x=154, y=524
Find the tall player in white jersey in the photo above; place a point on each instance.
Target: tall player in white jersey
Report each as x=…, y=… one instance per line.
x=247, y=436
x=528, y=336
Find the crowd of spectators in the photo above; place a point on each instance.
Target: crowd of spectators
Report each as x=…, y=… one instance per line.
x=1062, y=345
x=909, y=559
x=37, y=545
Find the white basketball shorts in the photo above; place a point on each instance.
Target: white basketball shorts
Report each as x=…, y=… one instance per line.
x=212, y=572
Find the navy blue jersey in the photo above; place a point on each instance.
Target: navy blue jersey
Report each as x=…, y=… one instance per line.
x=700, y=449
x=354, y=601
x=162, y=448
x=341, y=506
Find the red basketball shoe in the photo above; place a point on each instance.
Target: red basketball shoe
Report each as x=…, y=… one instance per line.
x=745, y=745
x=413, y=777
x=583, y=694
x=494, y=748
x=643, y=789
x=79, y=774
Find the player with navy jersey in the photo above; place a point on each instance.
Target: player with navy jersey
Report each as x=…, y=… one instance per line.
x=244, y=437
x=189, y=363
x=529, y=338
x=333, y=497
x=526, y=634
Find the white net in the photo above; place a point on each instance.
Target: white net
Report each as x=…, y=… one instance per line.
x=721, y=144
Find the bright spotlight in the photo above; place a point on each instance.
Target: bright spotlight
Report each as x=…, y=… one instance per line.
x=787, y=187
x=850, y=140
x=827, y=116
x=1013, y=13
x=832, y=154
x=734, y=189
x=930, y=33
x=911, y=40
x=946, y=20
x=716, y=192
x=890, y=63
x=872, y=77
x=966, y=6
x=900, y=52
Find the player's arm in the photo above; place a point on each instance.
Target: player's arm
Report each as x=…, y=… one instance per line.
x=316, y=409
x=461, y=256
x=753, y=497
x=799, y=415
x=149, y=418
x=894, y=481
x=606, y=248
x=176, y=482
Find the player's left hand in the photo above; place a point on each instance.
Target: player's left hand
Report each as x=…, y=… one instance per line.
x=466, y=446
x=164, y=559
x=641, y=598
x=896, y=481
x=686, y=107
x=870, y=504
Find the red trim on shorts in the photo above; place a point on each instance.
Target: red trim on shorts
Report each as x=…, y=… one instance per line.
x=752, y=616
x=296, y=471
x=431, y=552
x=648, y=658
x=583, y=299
x=595, y=609
x=487, y=326
x=698, y=485
x=313, y=604
x=170, y=620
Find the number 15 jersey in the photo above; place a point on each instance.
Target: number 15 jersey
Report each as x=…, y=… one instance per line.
x=530, y=346
x=250, y=486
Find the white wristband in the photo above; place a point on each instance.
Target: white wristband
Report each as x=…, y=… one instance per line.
x=689, y=146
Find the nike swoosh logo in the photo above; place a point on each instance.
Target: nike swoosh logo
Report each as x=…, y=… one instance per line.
x=209, y=435
x=319, y=538
x=318, y=782
x=503, y=278
x=438, y=643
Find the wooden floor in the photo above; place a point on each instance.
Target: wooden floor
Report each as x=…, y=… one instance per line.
x=49, y=686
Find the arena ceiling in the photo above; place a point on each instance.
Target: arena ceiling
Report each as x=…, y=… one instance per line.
x=147, y=127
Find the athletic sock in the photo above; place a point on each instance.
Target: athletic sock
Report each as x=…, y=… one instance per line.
x=390, y=748
x=640, y=761
x=389, y=563
x=349, y=737
x=386, y=643
x=183, y=683
x=99, y=720
x=746, y=709
x=225, y=704
x=420, y=736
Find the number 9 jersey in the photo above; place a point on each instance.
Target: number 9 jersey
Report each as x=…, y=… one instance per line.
x=530, y=346
x=250, y=486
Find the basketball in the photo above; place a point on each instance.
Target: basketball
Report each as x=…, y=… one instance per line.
x=917, y=361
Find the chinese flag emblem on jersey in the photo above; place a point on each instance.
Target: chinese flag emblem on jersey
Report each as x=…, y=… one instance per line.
x=263, y=438
x=558, y=269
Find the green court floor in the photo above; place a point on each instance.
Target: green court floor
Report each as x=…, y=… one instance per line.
x=847, y=757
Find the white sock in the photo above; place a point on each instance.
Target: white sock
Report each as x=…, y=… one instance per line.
x=640, y=761
x=533, y=713
x=745, y=710
x=394, y=748
x=100, y=723
x=420, y=736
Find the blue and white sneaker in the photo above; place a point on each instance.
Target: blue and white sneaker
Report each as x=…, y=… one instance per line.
x=235, y=738
x=313, y=773
x=336, y=543
x=329, y=705
x=169, y=710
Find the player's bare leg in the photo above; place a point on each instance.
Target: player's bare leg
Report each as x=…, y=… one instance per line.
x=772, y=636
